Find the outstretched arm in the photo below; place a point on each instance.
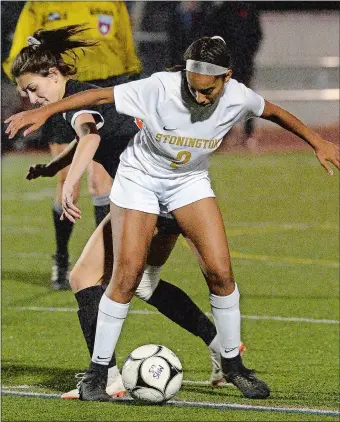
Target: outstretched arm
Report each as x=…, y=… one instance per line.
x=89, y=140
x=37, y=117
x=325, y=151
x=54, y=166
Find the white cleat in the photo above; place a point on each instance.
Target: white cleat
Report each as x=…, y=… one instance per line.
x=115, y=387
x=216, y=377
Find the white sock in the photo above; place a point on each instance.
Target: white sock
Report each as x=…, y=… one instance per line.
x=111, y=316
x=149, y=282
x=215, y=345
x=227, y=317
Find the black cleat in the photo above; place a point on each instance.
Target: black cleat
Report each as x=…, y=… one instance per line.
x=92, y=387
x=60, y=268
x=244, y=379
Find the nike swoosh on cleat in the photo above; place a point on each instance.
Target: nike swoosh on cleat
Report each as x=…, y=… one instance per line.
x=166, y=128
x=98, y=357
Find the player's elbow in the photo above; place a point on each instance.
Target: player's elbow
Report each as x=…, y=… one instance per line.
x=271, y=111
x=105, y=95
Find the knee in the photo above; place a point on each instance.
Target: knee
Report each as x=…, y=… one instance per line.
x=220, y=279
x=79, y=278
x=98, y=185
x=94, y=186
x=75, y=280
x=148, y=283
x=127, y=275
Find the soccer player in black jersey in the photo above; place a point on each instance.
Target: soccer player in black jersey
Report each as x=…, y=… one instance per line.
x=114, y=62
x=41, y=72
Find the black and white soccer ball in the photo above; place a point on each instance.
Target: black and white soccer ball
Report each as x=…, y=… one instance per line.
x=152, y=373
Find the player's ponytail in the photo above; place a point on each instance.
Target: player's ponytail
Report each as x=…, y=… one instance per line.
x=46, y=49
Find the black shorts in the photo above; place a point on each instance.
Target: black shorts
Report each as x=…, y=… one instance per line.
x=168, y=226
x=57, y=131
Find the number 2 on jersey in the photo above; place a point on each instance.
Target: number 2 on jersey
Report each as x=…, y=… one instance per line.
x=183, y=157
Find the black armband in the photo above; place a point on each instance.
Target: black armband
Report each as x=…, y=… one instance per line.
x=88, y=128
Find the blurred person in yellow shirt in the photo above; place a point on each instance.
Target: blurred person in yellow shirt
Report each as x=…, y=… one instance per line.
x=111, y=62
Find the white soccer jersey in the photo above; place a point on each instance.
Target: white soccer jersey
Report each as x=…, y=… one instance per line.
x=178, y=135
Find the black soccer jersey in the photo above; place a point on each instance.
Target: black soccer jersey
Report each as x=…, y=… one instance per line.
x=115, y=129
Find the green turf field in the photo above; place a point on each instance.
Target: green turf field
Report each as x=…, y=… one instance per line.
x=281, y=214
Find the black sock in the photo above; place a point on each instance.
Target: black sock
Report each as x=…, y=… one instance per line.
x=100, y=212
x=88, y=302
x=231, y=364
x=63, y=230
x=177, y=306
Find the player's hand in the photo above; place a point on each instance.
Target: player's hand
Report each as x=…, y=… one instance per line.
x=70, y=211
x=39, y=170
x=31, y=118
x=327, y=152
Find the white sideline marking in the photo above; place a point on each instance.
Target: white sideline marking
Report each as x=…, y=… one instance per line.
x=192, y=382
x=264, y=259
x=147, y=312
x=185, y=382
x=20, y=229
x=184, y=403
x=40, y=195
x=248, y=225
x=16, y=387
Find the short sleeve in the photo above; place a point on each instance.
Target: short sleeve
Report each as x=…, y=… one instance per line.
x=139, y=98
x=254, y=103
x=71, y=116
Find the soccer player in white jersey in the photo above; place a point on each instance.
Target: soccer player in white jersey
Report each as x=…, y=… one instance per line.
x=41, y=74
x=186, y=115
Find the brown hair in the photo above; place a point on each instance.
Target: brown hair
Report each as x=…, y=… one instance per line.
x=47, y=53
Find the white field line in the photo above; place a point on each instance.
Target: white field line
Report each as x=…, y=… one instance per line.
x=21, y=229
x=185, y=382
x=147, y=312
x=264, y=259
x=13, y=221
x=206, y=405
x=40, y=195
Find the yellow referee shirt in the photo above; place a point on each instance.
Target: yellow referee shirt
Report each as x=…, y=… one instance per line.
x=109, y=23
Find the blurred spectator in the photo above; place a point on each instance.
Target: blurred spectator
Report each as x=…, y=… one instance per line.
x=185, y=26
x=10, y=11
x=112, y=62
x=238, y=23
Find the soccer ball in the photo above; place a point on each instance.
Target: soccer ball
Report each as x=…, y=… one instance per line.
x=152, y=373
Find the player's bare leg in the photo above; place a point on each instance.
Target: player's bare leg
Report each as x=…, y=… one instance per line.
x=217, y=378
x=92, y=268
x=202, y=223
x=99, y=185
x=132, y=232
x=63, y=228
